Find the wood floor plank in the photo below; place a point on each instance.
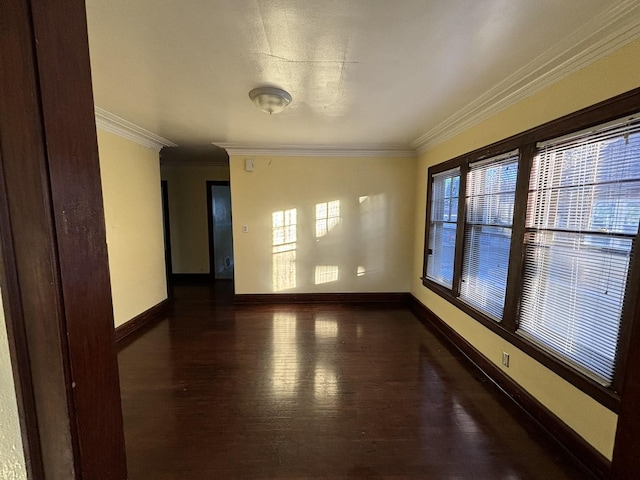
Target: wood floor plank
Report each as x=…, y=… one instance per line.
x=217, y=391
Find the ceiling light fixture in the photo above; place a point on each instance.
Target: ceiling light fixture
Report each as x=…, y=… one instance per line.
x=270, y=99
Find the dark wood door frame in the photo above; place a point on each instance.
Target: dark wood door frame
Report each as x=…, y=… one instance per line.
x=166, y=223
x=212, y=258
x=54, y=272
x=626, y=457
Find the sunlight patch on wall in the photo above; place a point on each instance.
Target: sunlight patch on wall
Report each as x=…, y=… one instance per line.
x=285, y=354
x=326, y=274
x=374, y=225
x=361, y=271
x=284, y=232
x=327, y=217
x=362, y=198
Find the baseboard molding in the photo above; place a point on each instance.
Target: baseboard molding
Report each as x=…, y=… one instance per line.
x=399, y=299
x=576, y=446
x=142, y=321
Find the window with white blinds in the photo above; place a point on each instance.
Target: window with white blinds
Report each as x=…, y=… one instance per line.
x=582, y=219
x=544, y=252
x=445, y=190
x=490, y=198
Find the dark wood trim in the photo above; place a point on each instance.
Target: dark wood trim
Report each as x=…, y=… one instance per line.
x=64, y=74
x=142, y=322
x=383, y=298
x=20, y=362
x=592, y=460
x=30, y=280
x=629, y=309
x=55, y=269
x=462, y=188
x=18, y=339
x=461, y=228
x=626, y=457
x=427, y=222
x=166, y=224
x=19, y=120
x=516, y=252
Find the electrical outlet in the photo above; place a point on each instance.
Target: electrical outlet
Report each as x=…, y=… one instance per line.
x=505, y=359
x=245, y=228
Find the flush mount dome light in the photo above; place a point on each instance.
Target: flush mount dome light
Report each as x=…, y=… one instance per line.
x=270, y=99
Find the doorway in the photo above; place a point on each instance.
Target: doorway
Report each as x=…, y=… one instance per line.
x=220, y=230
x=166, y=224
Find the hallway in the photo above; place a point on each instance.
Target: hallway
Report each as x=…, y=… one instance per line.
x=217, y=391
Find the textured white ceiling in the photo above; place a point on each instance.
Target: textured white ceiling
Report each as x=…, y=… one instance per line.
x=363, y=73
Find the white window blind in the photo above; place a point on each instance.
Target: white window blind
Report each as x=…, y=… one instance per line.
x=582, y=218
x=445, y=190
x=491, y=186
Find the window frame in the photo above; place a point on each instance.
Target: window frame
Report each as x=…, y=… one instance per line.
x=429, y=222
x=525, y=142
x=467, y=226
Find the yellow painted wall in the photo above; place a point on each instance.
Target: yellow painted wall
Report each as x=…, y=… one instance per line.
x=370, y=248
x=130, y=176
x=615, y=74
x=187, y=187
x=12, y=465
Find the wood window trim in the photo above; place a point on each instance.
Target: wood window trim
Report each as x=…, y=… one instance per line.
x=461, y=228
x=516, y=253
x=608, y=110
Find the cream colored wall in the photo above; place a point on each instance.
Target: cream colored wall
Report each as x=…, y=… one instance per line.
x=130, y=176
x=615, y=74
x=376, y=198
x=11, y=455
x=187, y=187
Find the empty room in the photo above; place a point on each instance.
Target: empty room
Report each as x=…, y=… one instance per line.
x=277, y=239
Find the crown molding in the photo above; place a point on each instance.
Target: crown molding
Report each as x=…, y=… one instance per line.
x=125, y=129
x=318, y=150
x=594, y=40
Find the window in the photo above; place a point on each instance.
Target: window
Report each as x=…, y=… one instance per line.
x=442, y=232
x=491, y=189
x=488, y=206
x=542, y=248
x=584, y=208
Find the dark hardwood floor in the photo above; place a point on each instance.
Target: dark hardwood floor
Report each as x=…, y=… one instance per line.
x=217, y=391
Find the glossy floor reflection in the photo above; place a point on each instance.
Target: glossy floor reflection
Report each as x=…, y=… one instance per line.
x=314, y=391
